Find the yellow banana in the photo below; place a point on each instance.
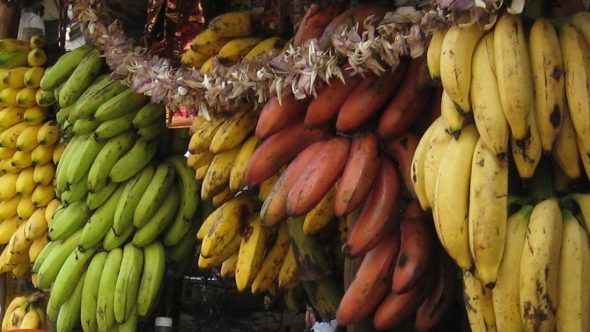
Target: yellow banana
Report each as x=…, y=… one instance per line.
x=57, y=152
x=436, y=145
x=21, y=160
x=539, y=267
x=8, y=185
x=36, y=57
x=240, y=165
x=454, y=120
x=48, y=134
x=251, y=253
x=222, y=197
x=37, y=225
x=31, y=320
x=7, y=227
x=224, y=223
x=228, y=268
x=35, y=115
x=199, y=159
x=217, y=260
x=17, y=302
x=42, y=195
x=207, y=42
x=527, y=152
x=320, y=215
x=217, y=177
x=27, y=139
x=16, y=317
x=193, y=59
x=203, y=133
x=8, y=207
x=9, y=136
x=269, y=270
x=33, y=77
x=265, y=186
x=15, y=78
x=451, y=197
x=42, y=154
x=43, y=174
x=584, y=156
x=8, y=96
x=455, y=63
x=201, y=172
x=288, y=271
x=478, y=304
x=208, y=65
x=268, y=45
x=50, y=210
x=36, y=247
x=25, y=208
x=433, y=53
x=26, y=97
x=581, y=21
x=233, y=132
x=25, y=183
x=10, y=44
x=417, y=169
x=6, y=153
x=38, y=41
x=10, y=116
x=565, y=151
x=232, y=24
x=234, y=50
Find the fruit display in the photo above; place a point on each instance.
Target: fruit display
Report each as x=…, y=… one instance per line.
x=24, y=312
x=502, y=167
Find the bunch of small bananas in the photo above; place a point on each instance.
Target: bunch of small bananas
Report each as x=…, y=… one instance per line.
x=229, y=39
x=23, y=312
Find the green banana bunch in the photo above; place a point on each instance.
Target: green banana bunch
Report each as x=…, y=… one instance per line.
x=159, y=221
x=113, y=127
x=76, y=192
x=113, y=240
x=85, y=155
x=69, y=312
x=51, y=266
x=68, y=220
x=134, y=160
x=155, y=194
x=69, y=274
x=119, y=105
x=110, y=153
x=86, y=109
x=64, y=67
x=148, y=115
x=81, y=78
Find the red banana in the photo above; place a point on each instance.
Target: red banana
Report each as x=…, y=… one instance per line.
x=359, y=174
x=436, y=304
x=409, y=101
x=402, y=151
x=278, y=150
x=274, y=208
x=316, y=20
x=367, y=289
x=350, y=18
x=318, y=177
x=414, y=254
x=324, y=107
x=276, y=115
x=377, y=212
x=368, y=98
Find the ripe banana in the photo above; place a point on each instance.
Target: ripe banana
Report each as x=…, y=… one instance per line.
x=478, y=303
x=417, y=169
x=565, y=150
x=527, y=152
x=8, y=208
x=454, y=120
x=35, y=115
x=27, y=139
x=251, y=253
x=265, y=46
x=48, y=134
x=288, y=273
x=15, y=78
x=218, y=174
x=320, y=215
x=233, y=132
x=10, y=116
x=269, y=270
x=232, y=24
x=37, y=225
x=33, y=76
x=234, y=50
x=25, y=182
x=238, y=171
x=43, y=174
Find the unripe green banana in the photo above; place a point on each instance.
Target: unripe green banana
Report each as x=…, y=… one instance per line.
x=152, y=130
x=68, y=221
x=85, y=126
x=151, y=278
x=98, y=198
x=69, y=275
x=51, y=266
x=83, y=161
x=64, y=67
x=44, y=254
x=114, y=127
x=134, y=160
x=159, y=221
x=131, y=196
x=119, y=105
x=100, y=222
x=130, y=324
x=154, y=195
x=96, y=98
x=105, y=316
x=81, y=78
x=76, y=192
x=71, y=150
x=69, y=312
x=90, y=292
x=148, y=114
x=112, y=240
x=127, y=283
x=110, y=153
x=184, y=247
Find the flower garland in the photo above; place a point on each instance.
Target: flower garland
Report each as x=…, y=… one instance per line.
x=301, y=70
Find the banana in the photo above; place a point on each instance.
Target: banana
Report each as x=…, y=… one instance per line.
x=32, y=77
x=97, y=199
x=57, y=153
x=71, y=151
x=200, y=159
x=6, y=153
x=193, y=59
x=153, y=130
x=155, y=194
x=31, y=320
x=9, y=136
x=42, y=154
x=417, y=168
x=130, y=198
x=25, y=183
x=127, y=284
x=232, y=24
x=9, y=44
x=105, y=316
x=130, y=324
x=451, y=196
x=48, y=134
x=478, y=303
x=228, y=268
x=90, y=292
x=217, y=177
x=513, y=73
x=81, y=78
x=26, y=97
x=50, y=210
x=234, y=50
x=573, y=299
x=581, y=21
x=122, y=104
x=86, y=154
x=548, y=78
x=565, y=150
x=36, y=247
x=43, y=174
x=69, y=274
x=485, y=98
x=148, y=114
x=27, y=139
x=238, y=171
x=7, y=227
x=454, y=120
x=201, y=172
x=188, y=205
x=527, y=152
x=158, y=222
x=151, y=277
x=269, y=270
x=100, y=222
x=8, y=185
x=69, y=312
x=15, y=78
x=111, y=128
x=99, y=93
x=181, y=251
x=207, y=45
x=539, y=267
x=15, y=317
x=42, y=195
x=320, y=215
x=36, y=57
x=288, y=272
x=8, y=96
x=13, y=59
x=488, y=205
x=224, y=223
x=265, y=46
x=113, y=240
x=265, y=187
x=216, y=260
x=44, y=98
x=37, y=225
x=455, y=63
x=17, y=302
x=251, y=253
x=25, y=208
x=208, y=65
x=10, y=116
x=203, y=132
x=76, y=192
x=233, y=132
x=109, y=154
x=134, y=160
x=35, y=115
x=21, y=160
x=68, y=221
x=8, y=208
x=44, y=254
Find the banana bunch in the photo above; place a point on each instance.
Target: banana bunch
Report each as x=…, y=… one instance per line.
x=229, y=39
x=24, y=312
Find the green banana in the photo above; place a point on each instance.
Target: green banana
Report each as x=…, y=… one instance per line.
x=105, y=316
x=112, y=240
x=44, y=254
x=181, y=250
x=98, y=83
x=154, y=268
x=131, y=196
x=58, y=89
x=69, y=275
x=81, y=78
x=50, y=268
x=90, y=292
x=119, y=105
x=188, y=203
x=100, y=222
x=154, y=195
x=83, y=161
x=159, y=221
x=130, y=324
x=98, y=198
x=46, y=98
x=61, y=182
x=85, y=126
x=63, y=115
x=76, y=192
x=97, y=98
x=113, y=127
x=69, y=312
x=127, y=283
x=71, y=219
x=152, y=130
x=113, y=149
x=64, y=67
x=148, y=114
x=134, y=160
x=13, y=59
